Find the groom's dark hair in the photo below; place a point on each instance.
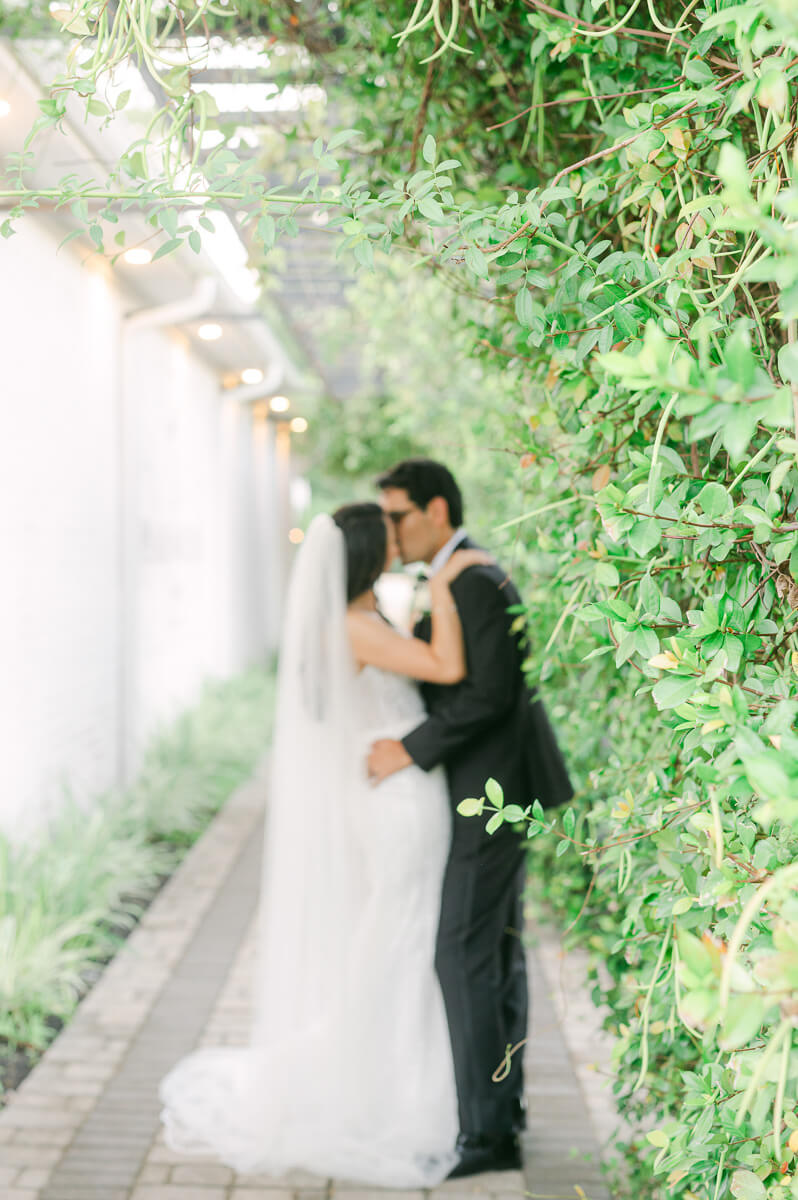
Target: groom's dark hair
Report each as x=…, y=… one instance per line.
x=423, y=479
x=366, y=543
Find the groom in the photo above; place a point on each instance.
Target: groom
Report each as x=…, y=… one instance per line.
x=486, y=726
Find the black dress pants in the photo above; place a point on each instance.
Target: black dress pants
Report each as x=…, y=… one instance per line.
x=480, y=963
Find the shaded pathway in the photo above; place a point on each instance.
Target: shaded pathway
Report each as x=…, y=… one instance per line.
x=84, y=1125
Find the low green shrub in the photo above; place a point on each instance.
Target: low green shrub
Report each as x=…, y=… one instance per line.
x=68, y=897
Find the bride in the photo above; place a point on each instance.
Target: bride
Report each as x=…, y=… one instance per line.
x=348, y=1073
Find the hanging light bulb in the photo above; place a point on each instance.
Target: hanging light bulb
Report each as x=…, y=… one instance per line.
x=279, y=404
x=138, y=256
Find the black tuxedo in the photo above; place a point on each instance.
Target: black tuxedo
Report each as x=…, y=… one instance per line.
x=486, y=726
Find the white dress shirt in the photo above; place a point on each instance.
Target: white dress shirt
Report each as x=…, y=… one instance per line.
x=446, y=552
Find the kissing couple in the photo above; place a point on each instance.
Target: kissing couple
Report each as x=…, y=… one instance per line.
x=390, y=980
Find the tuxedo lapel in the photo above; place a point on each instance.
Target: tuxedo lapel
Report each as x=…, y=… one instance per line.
x=423, y=628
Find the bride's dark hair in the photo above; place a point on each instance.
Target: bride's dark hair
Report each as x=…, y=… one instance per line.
x=366, y=541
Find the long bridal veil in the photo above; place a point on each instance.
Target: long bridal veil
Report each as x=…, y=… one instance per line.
x=230, y=1101
x=310, y=855
x=347, y=1073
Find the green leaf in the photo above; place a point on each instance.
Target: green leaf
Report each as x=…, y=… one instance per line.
x=767, y=776
x=607, y=573
x=267, y=231
x=524, y=307
x=715, y=501
x=733, y=168
x=645, y=536
x=741, y=96
x=673, y=690
x=476, y=261
x=74, y=23
x=698, y=72
x=669, y=610
x=167, y=247
x=364, y=253
x=658, y=1138
x=494, y=823
x=744, y=1016
x=625, y=323
x=697, y=1005
x=649, y=595
x=569, y=821
x=646, y=642
x=494, y=793
x=788, y=362
x=431, y=209
x=342, y=137
x=429, y=150
x=747, y=1186
x=74, y=233
x=167, y=219
x=694, y=953
x=471, y=807
x=733, y=648
x=513, y=813
x=777, y=477
x=738, y=430
x=136, y=164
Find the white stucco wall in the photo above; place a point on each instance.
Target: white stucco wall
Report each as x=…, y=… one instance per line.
x=137, y=532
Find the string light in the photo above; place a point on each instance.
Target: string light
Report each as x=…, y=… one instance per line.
x=209, y=332
x=298, y=425
x=279, y=404
x=138, y=256
x=251, y=375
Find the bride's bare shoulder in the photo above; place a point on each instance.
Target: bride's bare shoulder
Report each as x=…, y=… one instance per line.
x=363, y=617
x=369, y=632
x=365, y=622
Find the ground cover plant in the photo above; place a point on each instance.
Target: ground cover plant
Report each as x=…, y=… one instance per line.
x=69, y=896
x=606, y=195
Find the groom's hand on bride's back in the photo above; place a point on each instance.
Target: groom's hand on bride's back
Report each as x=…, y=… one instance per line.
x=386, y=757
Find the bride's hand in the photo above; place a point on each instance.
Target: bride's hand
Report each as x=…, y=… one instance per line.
x=459, y=561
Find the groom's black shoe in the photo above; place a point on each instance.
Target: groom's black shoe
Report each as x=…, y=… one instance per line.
x=480, y=1152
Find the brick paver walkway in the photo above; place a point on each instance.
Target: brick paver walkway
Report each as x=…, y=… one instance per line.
x=84, y=1125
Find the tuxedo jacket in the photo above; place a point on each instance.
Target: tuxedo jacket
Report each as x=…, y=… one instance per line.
x=489, y=724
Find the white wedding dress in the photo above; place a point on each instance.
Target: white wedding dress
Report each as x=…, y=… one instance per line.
x=349, y=1072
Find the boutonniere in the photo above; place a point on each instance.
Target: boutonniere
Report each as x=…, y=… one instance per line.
x=422, y=601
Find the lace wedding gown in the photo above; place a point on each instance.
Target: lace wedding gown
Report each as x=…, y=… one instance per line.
x=349, y=1070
